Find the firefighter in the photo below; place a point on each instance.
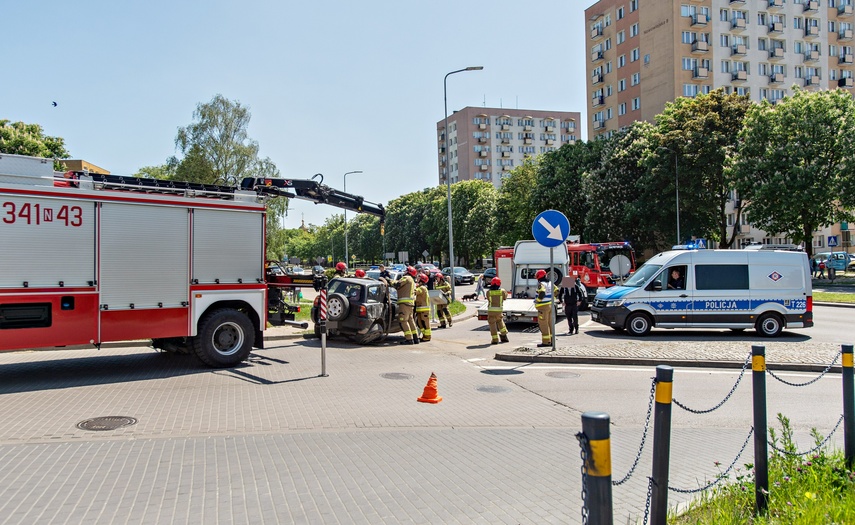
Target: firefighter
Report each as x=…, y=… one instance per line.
x=340, y=269
x=359, y=273
x=496, y=296
x=422, y=307
x=442, y=310
x=543, y=303
x=406, y=287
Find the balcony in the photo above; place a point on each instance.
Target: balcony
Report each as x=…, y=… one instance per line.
x=506, y=140
x=549, y=142
x=739, y=76
x=549, y=129
x=506, y=154
x=482, y=126
x=844, y=10
x=811, y=56
x=483, y=153
x=812, y=80
x=505, y=127
x=699, y=20
x=846, y=34
x=596, y=79
x=844, y=59
x=777, y=27
x=700, y=73
x=776, y=53
x=776, y=78
x=526, y=128
x=484, y=167
x=811, y=6
x=482, y=140
x=599, y=124
x=596, y=56
x=738, y=50
x=699, y=46
x=847, y=82
x=811, y=31
x=526, y=141
x=506, y=168
x=737, y=24
x=597, y=101
x=776, y=4
x=596, y=33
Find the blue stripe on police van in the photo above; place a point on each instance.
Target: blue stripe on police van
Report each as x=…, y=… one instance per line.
x=721, y=305
x=615, y=292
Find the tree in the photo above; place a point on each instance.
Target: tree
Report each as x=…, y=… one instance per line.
x=514, y=204
x=17, y=138
x=473, y=209
x=701, y=132
x=559, y=182
x=619, y=207
x=795, y=159
x=216, y=147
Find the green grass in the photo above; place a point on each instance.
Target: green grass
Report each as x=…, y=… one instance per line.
x=833, y=297
x=803, y=490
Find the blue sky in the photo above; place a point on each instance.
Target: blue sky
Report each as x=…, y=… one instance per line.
x=332, y=86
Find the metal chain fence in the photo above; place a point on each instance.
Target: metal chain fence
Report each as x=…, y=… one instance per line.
x=583, y=453
x=812, y=381
x=814, y=449
x=723, y=401
x=643, y=436
x=721, y=476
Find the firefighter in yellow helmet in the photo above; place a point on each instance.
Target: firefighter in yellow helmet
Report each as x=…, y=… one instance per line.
x=442, y=309
x=543, y=304
x=406, y=288
x=423, y=307
x=496, y=296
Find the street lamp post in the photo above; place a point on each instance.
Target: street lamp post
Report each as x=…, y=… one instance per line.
x=676, y=188
x=448, y=172
x=346, y=260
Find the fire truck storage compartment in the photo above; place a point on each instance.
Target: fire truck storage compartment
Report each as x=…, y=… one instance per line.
x=26, y=315
x=145, y=259
x=227, y=246
x=60, y=238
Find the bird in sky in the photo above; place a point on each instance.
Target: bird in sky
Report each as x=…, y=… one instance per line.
x=53, y=103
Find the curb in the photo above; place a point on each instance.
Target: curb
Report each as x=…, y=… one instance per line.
x=837, y=305
x=676, y=363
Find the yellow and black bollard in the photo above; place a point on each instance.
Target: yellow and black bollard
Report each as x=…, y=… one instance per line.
x=598, y=467
x=661, y=445
x=848, y=406
x=761, y=448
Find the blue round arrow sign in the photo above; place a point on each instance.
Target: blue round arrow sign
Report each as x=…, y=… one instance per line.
x=550, y=228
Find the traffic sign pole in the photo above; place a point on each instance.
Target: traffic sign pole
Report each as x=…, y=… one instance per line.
x=552, y=309
x=550, y=229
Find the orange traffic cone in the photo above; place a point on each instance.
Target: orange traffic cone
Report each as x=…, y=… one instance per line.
x=430, y=395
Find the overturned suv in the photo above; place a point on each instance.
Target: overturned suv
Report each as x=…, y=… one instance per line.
x=364, y=310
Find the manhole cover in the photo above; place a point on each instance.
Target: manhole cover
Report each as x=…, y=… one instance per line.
x=493, y=389
x=396, y=375
x=106, y=423
x=562, y=375
x=501, y=372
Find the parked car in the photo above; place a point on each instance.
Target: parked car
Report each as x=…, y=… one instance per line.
x=489, y=273
x=363, y=310
x=317, y=270
x=461, y=275
x=838, y=260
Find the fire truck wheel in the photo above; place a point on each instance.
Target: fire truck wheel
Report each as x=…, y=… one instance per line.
x=225, y=338
x=337, y=307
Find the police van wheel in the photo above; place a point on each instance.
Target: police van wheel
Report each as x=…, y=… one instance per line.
x=638, y=324
x=225, y=338
x=770, y=325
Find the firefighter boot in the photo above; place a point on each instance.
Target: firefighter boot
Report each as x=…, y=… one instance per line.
x=504, y=338
x=415, y=339
x=441, y=325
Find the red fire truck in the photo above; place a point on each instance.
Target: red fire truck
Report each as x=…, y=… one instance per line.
x=89, y=258
x=598, y=265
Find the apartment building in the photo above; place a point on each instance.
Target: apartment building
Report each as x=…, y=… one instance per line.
x=487, y=143
x=644, y=53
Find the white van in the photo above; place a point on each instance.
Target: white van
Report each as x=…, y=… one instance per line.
x=736, y=289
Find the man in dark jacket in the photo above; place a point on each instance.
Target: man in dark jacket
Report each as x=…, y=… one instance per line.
x=571, y=296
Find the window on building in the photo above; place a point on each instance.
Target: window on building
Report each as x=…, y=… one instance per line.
x=620, y=11
x=621, y=85
x=633, y=30
x=633, y=5
x=621, y=109
x=636, y=103
x=723, y=15
x=725, y=41
x=635, y=79
x=621, y=61
x=634, y=55
x=621, y=36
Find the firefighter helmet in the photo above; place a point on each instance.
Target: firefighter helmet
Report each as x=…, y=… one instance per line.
x=412, y=271
x=360, y=272
x=496, y=282
x=423, y=277
x=340, y=267
x=540, y=274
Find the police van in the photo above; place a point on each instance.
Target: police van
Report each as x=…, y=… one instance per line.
x=767, y=290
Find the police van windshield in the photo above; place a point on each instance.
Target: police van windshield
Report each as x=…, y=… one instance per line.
x=642, y=275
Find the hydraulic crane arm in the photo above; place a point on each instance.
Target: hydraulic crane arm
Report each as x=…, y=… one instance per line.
x=312, y=190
